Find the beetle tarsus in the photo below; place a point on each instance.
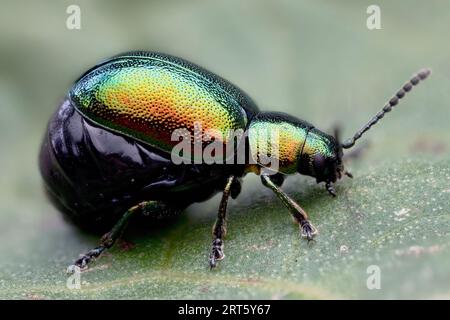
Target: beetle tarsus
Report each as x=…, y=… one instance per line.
x=308, y=231
x=330, y=188
x=216, y=253
x=85, y=259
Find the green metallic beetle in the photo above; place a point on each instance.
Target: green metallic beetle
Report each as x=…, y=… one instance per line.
x=108, y=154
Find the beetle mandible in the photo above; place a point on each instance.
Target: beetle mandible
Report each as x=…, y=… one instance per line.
x=106, y=156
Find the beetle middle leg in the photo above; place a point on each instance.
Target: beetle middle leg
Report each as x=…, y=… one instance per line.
x=108, y=239
x=274, y=182
x=220, y=226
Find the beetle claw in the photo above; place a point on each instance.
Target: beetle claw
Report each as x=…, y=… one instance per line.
x=212, y=262
x=308, y=231
x=73, y=269
x=84, y=260
x=216, y=253
x=330, y=188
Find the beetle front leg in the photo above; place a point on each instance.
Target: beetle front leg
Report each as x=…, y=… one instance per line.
x=220, y=226
x=307, y=229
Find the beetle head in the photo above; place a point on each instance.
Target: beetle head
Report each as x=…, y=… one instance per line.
x=322, y=158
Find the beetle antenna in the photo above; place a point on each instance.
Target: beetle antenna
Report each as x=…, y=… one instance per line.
x=421, y=75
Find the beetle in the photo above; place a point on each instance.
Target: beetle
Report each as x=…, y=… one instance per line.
x=106, y=155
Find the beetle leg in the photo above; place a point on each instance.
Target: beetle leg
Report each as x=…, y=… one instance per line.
x=308, y=231
x=330, y=188
x=108, y=239
x=220, y=226
x=235, y=188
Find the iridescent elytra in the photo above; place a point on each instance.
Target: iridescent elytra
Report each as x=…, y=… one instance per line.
x=106, y=156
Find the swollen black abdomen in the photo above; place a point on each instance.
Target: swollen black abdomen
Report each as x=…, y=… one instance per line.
x=94, y=175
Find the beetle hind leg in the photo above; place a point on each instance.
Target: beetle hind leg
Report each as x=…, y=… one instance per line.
x=108, y=239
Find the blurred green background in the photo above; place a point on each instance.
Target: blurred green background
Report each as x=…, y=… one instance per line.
x=314, y=59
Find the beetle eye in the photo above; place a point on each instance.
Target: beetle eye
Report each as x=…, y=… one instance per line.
x=319, y=163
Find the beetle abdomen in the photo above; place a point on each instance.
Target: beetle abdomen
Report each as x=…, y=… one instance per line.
x=147, y=96
x=90, y=174
x=94, y=175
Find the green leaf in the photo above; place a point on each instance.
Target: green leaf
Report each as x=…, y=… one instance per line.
x=394, y=216
x=316, y=61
